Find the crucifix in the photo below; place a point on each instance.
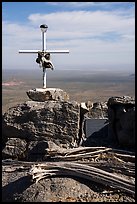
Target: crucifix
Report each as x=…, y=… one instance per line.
x=44, y=54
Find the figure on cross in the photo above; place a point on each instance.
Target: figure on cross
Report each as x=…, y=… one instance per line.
x=43, y=58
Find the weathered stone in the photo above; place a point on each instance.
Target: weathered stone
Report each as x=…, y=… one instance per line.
x=50, y=120
x=121, y=100
x=36, y=150
x=15, y=148
x=121, y=115
x=97, y=110
x=126, y=138
x=120, y=110
x=126, y=134
x=83, y=112
x=41, y=94
x=19, y=188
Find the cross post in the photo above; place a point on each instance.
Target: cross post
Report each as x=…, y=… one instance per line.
x=44, y=54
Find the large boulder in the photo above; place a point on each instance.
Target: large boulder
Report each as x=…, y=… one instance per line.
x=119, y=131
x=20, y=188
x=55, y=121
x=121, y=115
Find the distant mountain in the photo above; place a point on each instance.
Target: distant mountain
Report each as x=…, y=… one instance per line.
x=132, y=75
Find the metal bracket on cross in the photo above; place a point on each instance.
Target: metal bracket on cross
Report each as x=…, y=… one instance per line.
x=43, y=58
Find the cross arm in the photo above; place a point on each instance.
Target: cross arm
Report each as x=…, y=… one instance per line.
x=50, y=51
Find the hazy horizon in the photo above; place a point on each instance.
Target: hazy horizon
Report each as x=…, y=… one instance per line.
x=73, y=70
x=81, y=85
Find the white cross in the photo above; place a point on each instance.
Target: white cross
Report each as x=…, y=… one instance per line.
x=44, y=51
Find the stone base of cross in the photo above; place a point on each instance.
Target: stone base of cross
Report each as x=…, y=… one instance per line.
x=44, y=55
x=48, y=94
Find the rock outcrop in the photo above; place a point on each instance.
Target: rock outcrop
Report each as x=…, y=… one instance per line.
x=121, y=115
x=50, y=121
x=119, y=130
x=20, y=188
x=33, y=128
x=49, y=117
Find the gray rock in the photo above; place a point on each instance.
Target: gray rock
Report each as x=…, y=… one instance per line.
x=41, y=94
x=56, y=190
x=121, y=115
x=50, y=120
x=36, y=150
x=19, y=149
x=18, y=187
x=126, y=135
x=121, y=100
x=83, y=113
x=127, y=120
x=15, y=148
x=97, y=110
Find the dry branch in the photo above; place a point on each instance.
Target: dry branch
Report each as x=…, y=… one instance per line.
x=97, y=175
x=98, y=164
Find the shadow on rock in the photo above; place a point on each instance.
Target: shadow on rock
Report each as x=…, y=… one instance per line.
x=101, y=138
x=11, y=191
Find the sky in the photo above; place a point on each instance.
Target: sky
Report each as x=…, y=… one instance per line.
x=98, y=35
